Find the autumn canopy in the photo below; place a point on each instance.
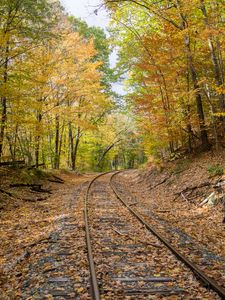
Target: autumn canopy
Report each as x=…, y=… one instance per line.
x=57, y=106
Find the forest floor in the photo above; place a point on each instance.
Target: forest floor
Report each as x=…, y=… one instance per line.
x=42, y=228
x=173, y=195
x=42, y=236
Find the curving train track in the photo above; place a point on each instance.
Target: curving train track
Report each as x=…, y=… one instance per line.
x=129, y=259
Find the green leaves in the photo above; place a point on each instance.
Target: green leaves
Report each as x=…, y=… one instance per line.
x=101, y=44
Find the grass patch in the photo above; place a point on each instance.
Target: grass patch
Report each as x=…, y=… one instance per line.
x=215, y=170
x=181, y=166
x=29, y=176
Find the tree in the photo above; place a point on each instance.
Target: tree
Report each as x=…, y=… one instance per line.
x=23, y=24
x=163, y=47
x=55, y=96
x=102, y=46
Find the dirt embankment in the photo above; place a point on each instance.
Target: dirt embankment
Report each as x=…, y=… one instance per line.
x=175, y=192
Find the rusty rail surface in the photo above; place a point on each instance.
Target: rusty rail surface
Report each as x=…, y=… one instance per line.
x=94, y=282
x=208, y=282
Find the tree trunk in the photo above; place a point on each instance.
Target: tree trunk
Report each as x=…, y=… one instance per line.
x=193, y=73
x=208, y=95
x=4, y=103
x=71, y=146
x=198, y=98
x=188, y=115
x=37, y=150
x=215, y=61
x=75, y=148
x=37, y=140
x=56, y=158
x=60, y=145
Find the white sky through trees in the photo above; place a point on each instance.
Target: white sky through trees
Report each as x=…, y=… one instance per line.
x=85, y=9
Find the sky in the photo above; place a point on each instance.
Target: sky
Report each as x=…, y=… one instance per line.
x=84, y=9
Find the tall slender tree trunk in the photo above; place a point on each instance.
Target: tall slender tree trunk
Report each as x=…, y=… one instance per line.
x=188, y=115
x=212, y=109
x=4, y=102
x=71, y=146
x=215, y=61
x=193, y=73
x=15, y=145
x=75, y=149
x=37, y=150
x=37, y=140
x=56, y=158
x=52, y=157
x=198, y=97
x=60, y=145
x=10, y=143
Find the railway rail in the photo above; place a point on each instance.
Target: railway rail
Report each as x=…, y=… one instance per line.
x=128, y=258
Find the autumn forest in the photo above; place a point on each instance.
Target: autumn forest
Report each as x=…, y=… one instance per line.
x=112, y=161
x=57, y=103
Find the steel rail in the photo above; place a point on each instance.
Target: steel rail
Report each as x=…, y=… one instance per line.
x=94, y=282
x=196, y=270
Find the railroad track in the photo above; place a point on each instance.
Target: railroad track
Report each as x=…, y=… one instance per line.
x=129, y=259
